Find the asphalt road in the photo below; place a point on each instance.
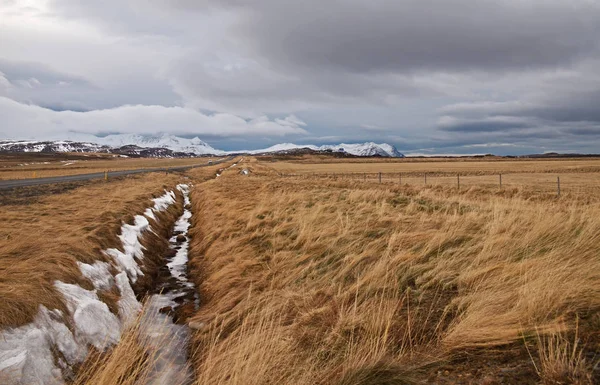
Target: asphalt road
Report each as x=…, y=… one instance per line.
x=8, y=184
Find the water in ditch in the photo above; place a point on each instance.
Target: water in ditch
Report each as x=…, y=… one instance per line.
x=174, y=296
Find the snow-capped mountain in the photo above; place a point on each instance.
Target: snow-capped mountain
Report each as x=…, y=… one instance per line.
x=50, y=146
x=163, y=145
x=171, y=142
x=357, y=149
x=166, y=145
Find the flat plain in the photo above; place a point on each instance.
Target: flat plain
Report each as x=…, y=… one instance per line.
x=39, y=165
x=307, y=278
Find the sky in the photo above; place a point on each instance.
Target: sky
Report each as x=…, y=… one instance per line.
x=505, y=77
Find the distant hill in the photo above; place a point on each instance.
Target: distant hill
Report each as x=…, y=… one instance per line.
x=167, y=145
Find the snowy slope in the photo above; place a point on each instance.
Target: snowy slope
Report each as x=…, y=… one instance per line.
x=136, y=144
x=172, y=142
x=357, y=149
x=90, y=143
x=50, y=146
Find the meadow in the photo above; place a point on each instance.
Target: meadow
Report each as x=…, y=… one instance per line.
x=39, y=165
x=306, y=279
x=337, y=281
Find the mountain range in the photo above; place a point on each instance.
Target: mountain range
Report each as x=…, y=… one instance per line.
x=167, y=145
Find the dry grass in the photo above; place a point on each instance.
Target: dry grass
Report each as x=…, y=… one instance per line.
x=340, y=282
x=129, y=363
x=42, y=237
x=41, y=242
x=464, y=166
x=561, y=361
x=43, y=165
x=580, y=176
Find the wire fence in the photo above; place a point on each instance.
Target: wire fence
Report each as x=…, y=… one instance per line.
x=574, y=183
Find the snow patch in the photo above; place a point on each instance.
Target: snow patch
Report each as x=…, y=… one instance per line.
x=98, y=273
x=26, y=352
x=133, y=249
x=129, y=307
x=160, y=204
x=185, y=190
x=93, y=321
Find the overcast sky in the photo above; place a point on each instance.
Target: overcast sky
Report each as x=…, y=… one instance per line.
x=429, y=76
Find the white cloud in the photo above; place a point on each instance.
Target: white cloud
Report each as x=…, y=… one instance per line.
x=21, y=121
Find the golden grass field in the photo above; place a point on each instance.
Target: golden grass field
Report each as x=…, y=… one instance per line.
x=41, y=240
x=579, y=176
x=323, y=280
x=25, y=166
x=309, y=281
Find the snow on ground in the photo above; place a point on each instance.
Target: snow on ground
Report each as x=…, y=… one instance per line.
x=98, y=273
x=129, y=307
x=160, y=204
x=27, y=353
x=185, y=190
x=133, y=249
x=94, y=323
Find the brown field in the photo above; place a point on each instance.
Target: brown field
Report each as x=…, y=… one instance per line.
x=338, y=280
x=409, y=166
x=579, y=176
x=25, y=166
x=309, y=281
x=42, y=238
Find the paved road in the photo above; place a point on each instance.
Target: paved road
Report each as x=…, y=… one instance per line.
x=8, y=184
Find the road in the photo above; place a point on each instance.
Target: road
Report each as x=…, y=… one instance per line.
x=8, y=184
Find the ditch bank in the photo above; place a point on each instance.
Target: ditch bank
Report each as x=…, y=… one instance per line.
x=150, y=262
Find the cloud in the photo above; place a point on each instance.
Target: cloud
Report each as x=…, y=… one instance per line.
x=29, y=121
x=483, y=125
x=422, y=74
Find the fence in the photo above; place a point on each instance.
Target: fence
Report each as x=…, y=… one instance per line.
x=579, y=182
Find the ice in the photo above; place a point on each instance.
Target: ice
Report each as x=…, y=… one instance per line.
x=163, y=202
x=185, y=190
x=126, y=260
x=129, y=307
x=93, y=321
x=130, y=236
x=98, y=273
x=167, y=343
x=149, y=213
x=160, y=204
x=26, y=352
x=60, y=335
x=26, y=358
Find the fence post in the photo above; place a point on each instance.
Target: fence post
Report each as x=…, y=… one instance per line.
x=400, y=177
x=379, y=177
x=105, y=175
x=558, y=186
x=365, y=176
x=500, y=175
x=458, y=180
x=425, y=178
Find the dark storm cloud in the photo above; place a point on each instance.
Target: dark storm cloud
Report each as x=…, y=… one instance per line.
x=493, y=74
x=417, y=35
x=585, y=131
x=483, y=126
